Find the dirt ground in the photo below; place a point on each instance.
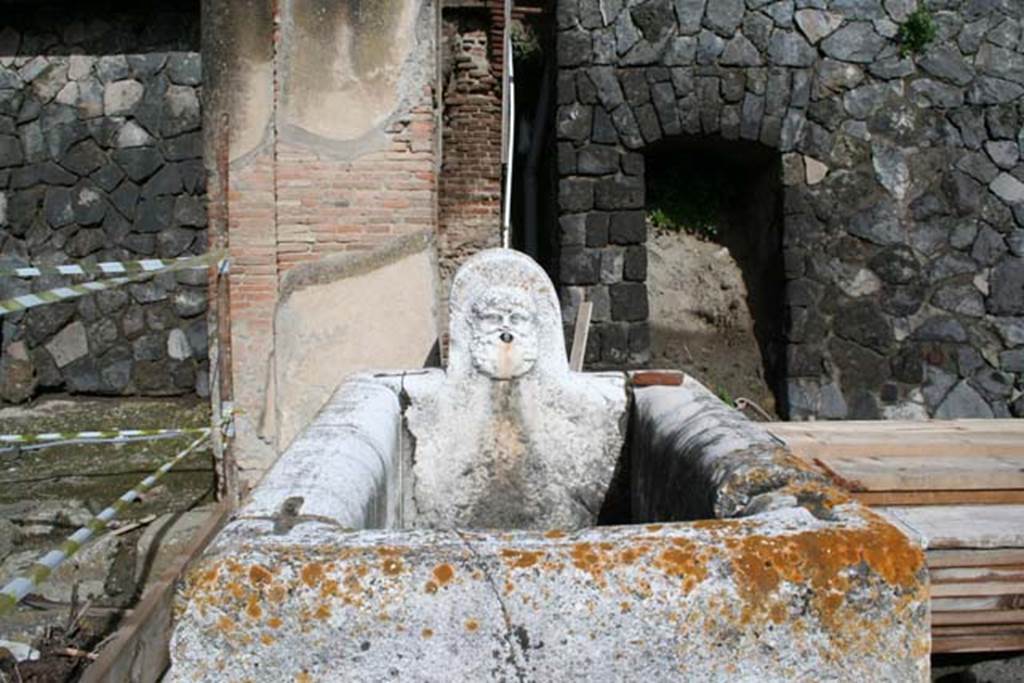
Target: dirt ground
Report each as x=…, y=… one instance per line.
x=46, y=494
x=700, y=319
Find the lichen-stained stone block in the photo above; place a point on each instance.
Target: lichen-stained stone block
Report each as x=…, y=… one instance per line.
x=481, y=484
x=781, y=596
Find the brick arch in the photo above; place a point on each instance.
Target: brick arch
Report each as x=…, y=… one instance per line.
x=886, y=160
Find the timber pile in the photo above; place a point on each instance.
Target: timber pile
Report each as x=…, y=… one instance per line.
x=958, y=486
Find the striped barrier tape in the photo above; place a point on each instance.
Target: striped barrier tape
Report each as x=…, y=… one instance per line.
x=29, y=442
x=25, y=301
x=98, y=269
x=16, y=590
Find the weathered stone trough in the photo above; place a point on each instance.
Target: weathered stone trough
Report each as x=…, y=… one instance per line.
x=509, y=519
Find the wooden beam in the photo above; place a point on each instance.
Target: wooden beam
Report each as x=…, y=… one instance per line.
x=981, y=617
x=140, y=652
x=963, y=497
x=980, y=643
x=580, y=336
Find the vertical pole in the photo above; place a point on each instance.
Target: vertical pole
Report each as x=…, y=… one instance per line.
x=507, y=123
x=218, y=318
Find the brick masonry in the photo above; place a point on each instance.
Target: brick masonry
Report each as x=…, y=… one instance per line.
x=295, y=194
x=470, y=183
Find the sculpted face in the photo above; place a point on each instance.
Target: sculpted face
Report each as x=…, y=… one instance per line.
x=504, y=333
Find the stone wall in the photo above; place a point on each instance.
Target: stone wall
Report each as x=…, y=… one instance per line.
x=903, y=242
x=101, y=160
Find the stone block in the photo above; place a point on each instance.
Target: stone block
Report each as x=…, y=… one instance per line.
x=629, y=302
x=70, y=344
x=575, y=194
x=619, y=192
x=596, y=229
x=627, y=227
x=579, y=266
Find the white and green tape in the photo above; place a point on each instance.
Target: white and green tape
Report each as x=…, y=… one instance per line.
x=100, y=269
x=46, y=439
x=16, y=590
x=26, y=301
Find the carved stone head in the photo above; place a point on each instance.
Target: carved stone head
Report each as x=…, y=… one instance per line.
x=504, y=325
x=505, y=320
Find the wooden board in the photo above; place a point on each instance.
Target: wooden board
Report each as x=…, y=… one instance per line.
x=1009, y=616
x=994, y=428
x=973, y=589
x=940, y=471
x=890, y=438
x=991, y=603
x=976, y=574
x=981, y=643
x=963, y=497
x=963, y=526
x=140, y=653
x=975, y=558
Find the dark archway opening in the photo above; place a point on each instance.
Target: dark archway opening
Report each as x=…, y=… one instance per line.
x=715, y=276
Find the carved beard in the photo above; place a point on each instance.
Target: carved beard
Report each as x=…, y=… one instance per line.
x=504, y=335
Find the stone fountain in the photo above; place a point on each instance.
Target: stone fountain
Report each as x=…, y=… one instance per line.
x=509, y=519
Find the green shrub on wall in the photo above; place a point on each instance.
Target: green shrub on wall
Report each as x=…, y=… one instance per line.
x=916, y=32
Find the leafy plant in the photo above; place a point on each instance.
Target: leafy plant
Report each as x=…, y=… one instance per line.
x=916, y=32
x=692, y=204
x=525, y=42
x=724, y=394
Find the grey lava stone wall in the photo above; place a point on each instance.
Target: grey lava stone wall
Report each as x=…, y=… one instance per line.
x=101, y=160
x=903, y=244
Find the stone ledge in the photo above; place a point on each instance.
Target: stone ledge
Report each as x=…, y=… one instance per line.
x=780, y=596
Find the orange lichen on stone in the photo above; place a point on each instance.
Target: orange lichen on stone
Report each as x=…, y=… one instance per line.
x=266, y=639
x=258, y=574
x=430, y=588
x=443, y=573
x=329, y=588
x=253, y=609
x=236, y=590
x=274, y=622
x=821, y=559
x=210, y=575
x=427, y=633
x=472, y=624
x=684, y=561
x=589, y=558
x=312, y=573
x=653, y=528
x=303, y=677
x=521, y=559
x=391, y=566
x=225, y=625
x=322, y=612
x=277, y=593
x=554, y=533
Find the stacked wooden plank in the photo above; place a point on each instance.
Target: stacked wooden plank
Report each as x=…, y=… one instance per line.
x=958, y=486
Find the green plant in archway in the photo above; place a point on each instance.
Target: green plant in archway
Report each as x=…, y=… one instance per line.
x=692, y=203
x=916, y=32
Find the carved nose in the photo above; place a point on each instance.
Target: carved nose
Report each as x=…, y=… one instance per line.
x=506, y=337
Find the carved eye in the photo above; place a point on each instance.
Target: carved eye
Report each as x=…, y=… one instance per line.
x=519, y=318
x=490, y=318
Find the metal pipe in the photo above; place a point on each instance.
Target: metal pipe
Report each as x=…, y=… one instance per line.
x=510, y=146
